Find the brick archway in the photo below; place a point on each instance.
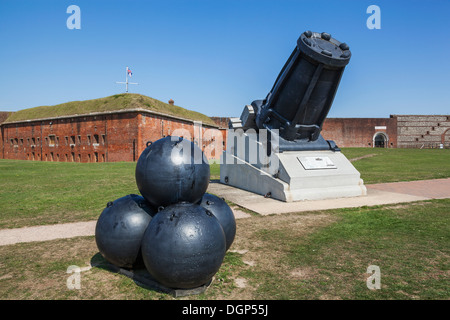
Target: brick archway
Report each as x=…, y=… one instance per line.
x=380, y=139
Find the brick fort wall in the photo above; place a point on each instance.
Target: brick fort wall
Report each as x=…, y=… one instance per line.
x=360, y=132
x=110, y=137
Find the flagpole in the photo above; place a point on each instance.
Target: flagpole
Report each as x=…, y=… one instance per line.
x=126, y=79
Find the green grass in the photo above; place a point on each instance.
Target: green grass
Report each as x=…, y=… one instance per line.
x=293, y=259
x=312, y=255
x=410, y=244
x=215, y=171
x=392, y=165
x=112, y=103
x=39, y=193
x=36, y=193
x=24, y=276
x=378, y=165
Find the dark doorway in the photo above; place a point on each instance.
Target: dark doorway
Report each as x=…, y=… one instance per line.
x=380, y=141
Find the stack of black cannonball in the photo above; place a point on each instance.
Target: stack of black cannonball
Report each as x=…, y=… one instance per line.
x=174, y=228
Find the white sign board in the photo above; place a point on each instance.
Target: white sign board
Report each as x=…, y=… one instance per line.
x=314, y=163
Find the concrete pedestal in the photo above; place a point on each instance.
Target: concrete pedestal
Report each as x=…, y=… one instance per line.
x=293, y=175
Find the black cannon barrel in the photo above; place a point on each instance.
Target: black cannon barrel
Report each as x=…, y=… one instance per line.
x=303, y=93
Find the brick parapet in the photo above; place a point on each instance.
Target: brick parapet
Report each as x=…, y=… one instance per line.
x=94, y=137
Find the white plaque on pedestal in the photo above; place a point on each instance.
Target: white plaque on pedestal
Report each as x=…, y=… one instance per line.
x=316, y=163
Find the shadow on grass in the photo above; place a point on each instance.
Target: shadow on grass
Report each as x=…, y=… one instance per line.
x=143, y=278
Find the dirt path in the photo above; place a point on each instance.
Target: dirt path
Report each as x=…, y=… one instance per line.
x=413, y=190
x=363, y=157
x=45, y=233
x=60, y=231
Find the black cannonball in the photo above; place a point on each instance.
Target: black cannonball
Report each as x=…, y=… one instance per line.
x=222, y=211
x=183, y=246
x=171, y=170
x=120, y=228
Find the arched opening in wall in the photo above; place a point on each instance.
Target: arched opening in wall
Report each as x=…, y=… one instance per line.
x=380, y=140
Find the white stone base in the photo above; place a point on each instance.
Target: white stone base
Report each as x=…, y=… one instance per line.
x=293, y=182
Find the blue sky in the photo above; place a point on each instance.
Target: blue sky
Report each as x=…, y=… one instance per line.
x=216, y=56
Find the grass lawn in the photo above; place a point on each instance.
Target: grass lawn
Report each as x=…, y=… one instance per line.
x=410, y=244
x=378, y=165
x=308, y=255
x=36, y=193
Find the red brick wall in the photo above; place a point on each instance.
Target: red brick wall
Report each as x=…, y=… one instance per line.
x=359, y=132
x=123, y=136
x=222, y=122
x=78, y=139
x=122, y=142
x=102, y=138
x=3, y=116
x=2, y=149
x=154, y=127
